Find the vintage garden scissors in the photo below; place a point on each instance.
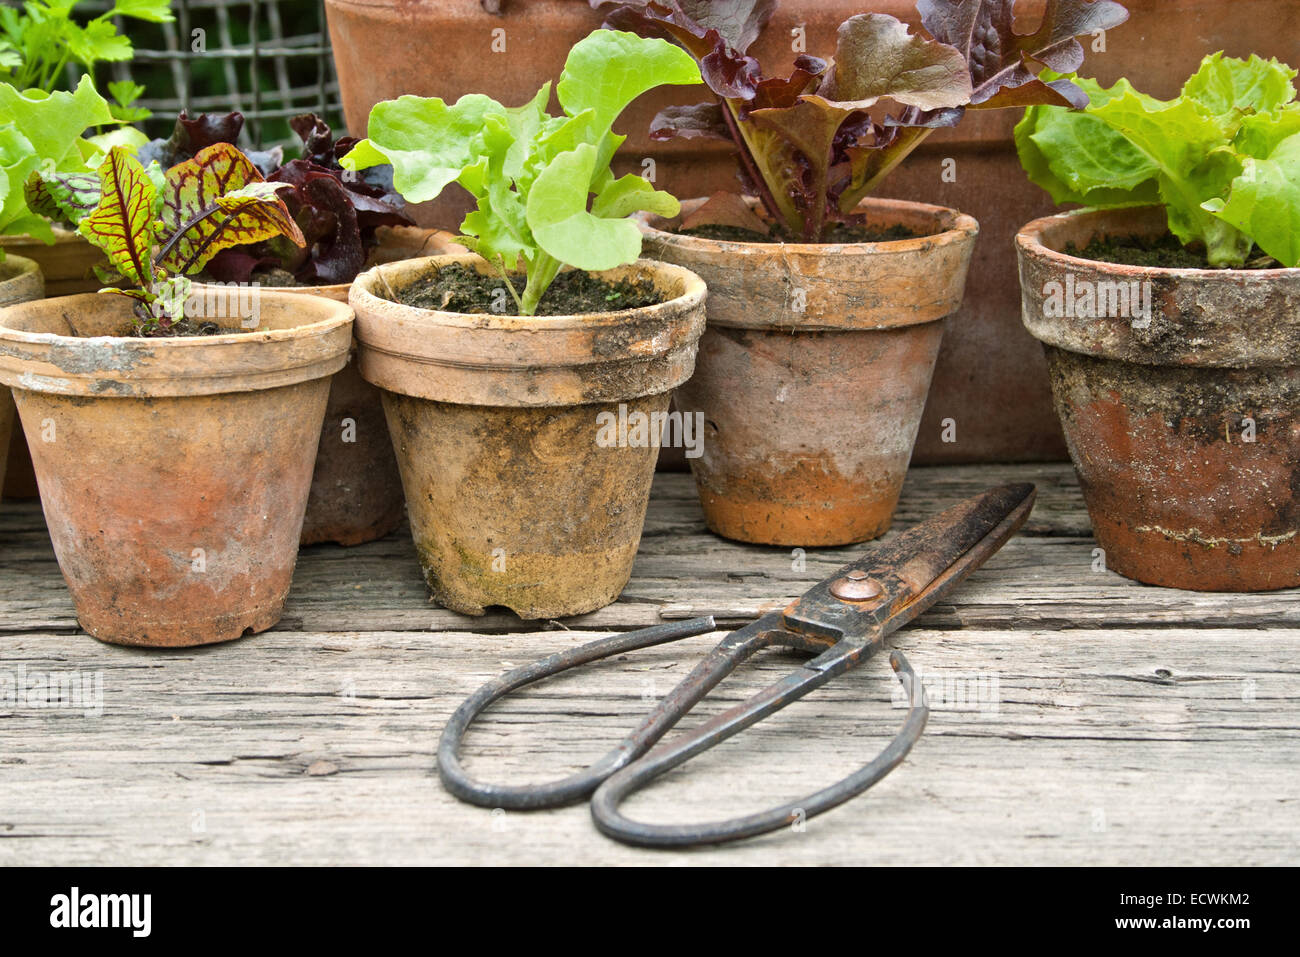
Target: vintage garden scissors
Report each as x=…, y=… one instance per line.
x=843, y=621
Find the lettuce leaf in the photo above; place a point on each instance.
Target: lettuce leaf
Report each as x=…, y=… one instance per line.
x=544, y=190
x=44, y=132
x=1221, y=158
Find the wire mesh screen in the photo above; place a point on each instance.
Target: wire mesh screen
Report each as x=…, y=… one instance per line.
x=268, y=59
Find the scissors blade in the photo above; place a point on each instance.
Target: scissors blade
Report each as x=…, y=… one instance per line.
x=897, y=581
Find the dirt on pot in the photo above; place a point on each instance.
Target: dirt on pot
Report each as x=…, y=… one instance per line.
x=814, y=370
x=515, y=500
x=1182, y=416
x=458, y=288
x=555, y=516
x=176, y=482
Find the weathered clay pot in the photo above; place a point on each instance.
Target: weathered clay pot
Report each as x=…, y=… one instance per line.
x=1183, y=421
x=814, y=371
x=356, y=493
x=991, y=377
x=173, y=472
x=20, y=281
x=496, y=420
x=68, y=266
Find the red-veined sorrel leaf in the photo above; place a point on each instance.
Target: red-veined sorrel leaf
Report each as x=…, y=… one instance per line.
x=122, y=224
x=250, y=214
x=62, y=197
x=194, y=185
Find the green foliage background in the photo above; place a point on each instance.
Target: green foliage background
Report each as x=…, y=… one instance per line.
x=209, y=73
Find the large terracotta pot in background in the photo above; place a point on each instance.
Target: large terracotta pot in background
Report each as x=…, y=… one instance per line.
x=20, y=281
x=173, y=472
x=356, y=493
x=814, y=370
x=991, y=378
x=513, y=499
x=1183, y=422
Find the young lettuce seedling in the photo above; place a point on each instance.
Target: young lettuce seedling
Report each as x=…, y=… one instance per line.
x=808, y=148
x=155, y=239
x=1223, y=158
x=534, y=174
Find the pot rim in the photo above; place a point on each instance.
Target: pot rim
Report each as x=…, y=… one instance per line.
x=960, y=228
x=61, y=235
x=171, y=366
x=849, y=287
x=535, y=361
x=142, y=344
x=25, y=265
x=1030, y=239
x=1202, y=318
x=26, y=284
x=693, y=294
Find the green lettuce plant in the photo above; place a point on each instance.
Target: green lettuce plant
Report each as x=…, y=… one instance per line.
x=1223, y=157
x=43, y=134
x=154, y=239
x=546, y=195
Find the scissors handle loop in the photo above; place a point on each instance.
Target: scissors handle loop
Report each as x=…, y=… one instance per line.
x=611, y=822
x=716, y=666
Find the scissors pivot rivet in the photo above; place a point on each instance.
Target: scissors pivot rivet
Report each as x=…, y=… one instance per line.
x=856, y=586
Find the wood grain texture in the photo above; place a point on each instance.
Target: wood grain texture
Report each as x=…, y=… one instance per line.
x=1118, y=723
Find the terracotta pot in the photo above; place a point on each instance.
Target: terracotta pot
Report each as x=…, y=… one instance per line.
x=991, y=377
x=68, y=267
x=68, y=264
x=814, y=371
x=1183, y=420
x=173, y=472
x=20, y=281
x=514, y=500
x=356, y=493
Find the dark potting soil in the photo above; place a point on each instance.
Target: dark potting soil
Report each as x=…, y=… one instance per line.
x=457, y=288
x=279, y=278
x=187, y=328
x=1164, y=253
x=843, y=233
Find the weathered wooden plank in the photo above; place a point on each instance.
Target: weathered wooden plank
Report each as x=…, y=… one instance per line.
x=1160, y=746
x=1132, y=725
x=1045, y=577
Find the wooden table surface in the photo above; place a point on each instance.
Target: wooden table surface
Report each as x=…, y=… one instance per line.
x=1078, y=717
